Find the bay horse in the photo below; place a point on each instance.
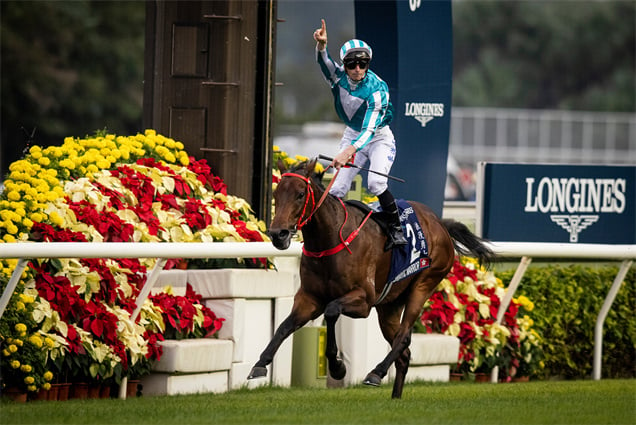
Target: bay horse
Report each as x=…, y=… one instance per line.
x=341, y=276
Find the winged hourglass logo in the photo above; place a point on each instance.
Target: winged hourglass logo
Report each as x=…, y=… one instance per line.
x=574, y=223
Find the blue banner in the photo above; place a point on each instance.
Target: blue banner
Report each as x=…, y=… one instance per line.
x=557, y=203
x=412, y=44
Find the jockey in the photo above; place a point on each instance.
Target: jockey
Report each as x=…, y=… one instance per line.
x=362, y=102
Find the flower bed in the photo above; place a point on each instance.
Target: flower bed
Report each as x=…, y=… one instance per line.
x=465, y=305
x=69, y=319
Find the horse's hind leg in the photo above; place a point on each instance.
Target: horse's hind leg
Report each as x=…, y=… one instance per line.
x=389, y=318
x=401, y=368
x=304, y=309
x=402, y=338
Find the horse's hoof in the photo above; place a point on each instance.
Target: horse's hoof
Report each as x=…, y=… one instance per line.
x=372, y=379
x=338, y=371
x=257, y=372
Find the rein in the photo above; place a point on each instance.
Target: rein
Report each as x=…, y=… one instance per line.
x=310, y=193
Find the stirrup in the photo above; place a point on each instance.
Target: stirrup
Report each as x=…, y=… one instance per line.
x=395, y=238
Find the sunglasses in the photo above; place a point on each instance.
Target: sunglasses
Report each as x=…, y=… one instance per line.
x=362, y=63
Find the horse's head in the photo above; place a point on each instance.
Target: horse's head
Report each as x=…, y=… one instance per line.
x=294, y=202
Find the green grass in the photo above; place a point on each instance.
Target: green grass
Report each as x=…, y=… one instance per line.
x=555, y=402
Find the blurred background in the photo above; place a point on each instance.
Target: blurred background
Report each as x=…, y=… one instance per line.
x=533, y=81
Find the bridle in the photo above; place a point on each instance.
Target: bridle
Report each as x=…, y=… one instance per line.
x=310, y=194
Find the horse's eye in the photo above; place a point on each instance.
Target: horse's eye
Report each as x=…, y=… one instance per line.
x=301, y=195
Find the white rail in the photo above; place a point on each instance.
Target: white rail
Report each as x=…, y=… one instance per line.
x=626, y=253
x=162, y=251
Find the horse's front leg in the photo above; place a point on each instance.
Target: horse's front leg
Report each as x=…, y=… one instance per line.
x=304, y=310
x=354, y=305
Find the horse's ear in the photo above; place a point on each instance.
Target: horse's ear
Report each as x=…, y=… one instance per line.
x=281, y=166
x=311, y=167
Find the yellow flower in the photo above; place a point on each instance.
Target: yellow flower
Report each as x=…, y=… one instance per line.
x=29, y=380
x=103, y=164
x=15, y=364
x=13, y=196
x=36, y=217
x=32, y=388
x=26, y=368
x=36, y=340
x=46, y=386
x=56, y=219
x=8, y=238
x=184, y=160
x=6, y=353
x=48, y=375
x=12, y=229
x=67, y=163
x=49, y=342
x=51, y=196
x=19, y=306
x=20, y=327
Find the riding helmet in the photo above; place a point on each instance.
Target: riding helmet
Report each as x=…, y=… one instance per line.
x=355, y=49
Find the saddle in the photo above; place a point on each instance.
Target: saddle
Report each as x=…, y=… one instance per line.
x=405, y=259
x=378, y=216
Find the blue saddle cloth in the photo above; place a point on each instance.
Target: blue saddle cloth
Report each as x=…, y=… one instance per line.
x=411, y=258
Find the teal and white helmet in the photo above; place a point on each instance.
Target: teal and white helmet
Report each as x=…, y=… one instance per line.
x=356, y=48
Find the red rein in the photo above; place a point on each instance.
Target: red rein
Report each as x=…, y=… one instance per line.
x=310, y=193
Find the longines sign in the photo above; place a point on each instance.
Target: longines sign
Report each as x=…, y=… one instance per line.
x=557, y=203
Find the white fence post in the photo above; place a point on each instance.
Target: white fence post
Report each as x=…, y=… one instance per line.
x=598, y=329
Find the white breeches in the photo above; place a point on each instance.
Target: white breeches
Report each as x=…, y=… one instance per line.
x=379, y=152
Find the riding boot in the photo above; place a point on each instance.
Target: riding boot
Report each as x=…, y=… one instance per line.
x=396, y=234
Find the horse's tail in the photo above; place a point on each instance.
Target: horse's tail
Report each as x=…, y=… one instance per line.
x=467, y=243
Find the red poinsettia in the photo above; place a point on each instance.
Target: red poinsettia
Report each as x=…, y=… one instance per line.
x=107, y=223
x=179, y=315
x=100, y=322
x=471, y=307
x=205, y=176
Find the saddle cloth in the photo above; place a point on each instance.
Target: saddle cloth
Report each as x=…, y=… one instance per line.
x=410, y=258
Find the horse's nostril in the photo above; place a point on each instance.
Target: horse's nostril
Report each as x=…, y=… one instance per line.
x=278, y=234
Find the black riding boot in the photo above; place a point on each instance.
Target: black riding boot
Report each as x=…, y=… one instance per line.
x=396, y=234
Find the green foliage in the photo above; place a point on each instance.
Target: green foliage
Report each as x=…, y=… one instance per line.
x=74, y=66
x=576, y=55
x=567, y=302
